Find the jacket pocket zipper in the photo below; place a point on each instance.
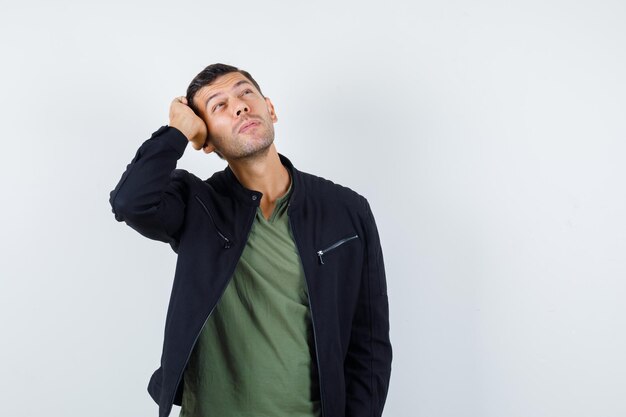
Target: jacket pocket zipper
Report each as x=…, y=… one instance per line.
x=321, y=253
x=226, y=240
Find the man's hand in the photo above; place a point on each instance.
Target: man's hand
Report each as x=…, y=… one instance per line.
x=184, y=119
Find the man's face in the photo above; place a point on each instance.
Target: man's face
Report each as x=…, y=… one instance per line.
x=227, y=105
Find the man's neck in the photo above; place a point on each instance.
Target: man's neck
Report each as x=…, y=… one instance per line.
x=265, y=174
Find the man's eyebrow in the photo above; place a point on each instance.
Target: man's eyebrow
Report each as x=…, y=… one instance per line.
x=237, y=84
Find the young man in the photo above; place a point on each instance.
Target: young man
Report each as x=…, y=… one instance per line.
x=279, y=303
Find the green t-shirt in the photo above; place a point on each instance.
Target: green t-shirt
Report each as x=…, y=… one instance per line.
x=254, y=356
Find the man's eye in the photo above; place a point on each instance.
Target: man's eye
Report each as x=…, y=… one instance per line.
x=220, y=104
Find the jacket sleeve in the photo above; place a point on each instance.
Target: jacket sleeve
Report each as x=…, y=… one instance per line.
x=150, y=195
x=367, y=367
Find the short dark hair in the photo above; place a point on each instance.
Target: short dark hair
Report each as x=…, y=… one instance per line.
x=208, y=75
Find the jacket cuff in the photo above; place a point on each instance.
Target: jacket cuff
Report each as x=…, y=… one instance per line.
x=174, y=137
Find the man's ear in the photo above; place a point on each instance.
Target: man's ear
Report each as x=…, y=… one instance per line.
x=270, y=108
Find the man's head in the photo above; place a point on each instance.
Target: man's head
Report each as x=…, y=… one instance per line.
x=227, y=98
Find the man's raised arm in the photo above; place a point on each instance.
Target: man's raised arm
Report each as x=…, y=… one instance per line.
x=150, y=195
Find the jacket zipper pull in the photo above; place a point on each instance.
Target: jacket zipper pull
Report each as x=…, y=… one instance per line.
x=320, y=253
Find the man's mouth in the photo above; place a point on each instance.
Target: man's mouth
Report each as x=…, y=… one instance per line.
x=248, y=125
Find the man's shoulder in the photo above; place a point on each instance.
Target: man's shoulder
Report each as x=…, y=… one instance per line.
x=319, y=187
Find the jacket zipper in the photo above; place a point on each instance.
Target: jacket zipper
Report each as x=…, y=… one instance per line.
x=226, y=245
x=227, y=241
x=333, y=246
x=317, y=356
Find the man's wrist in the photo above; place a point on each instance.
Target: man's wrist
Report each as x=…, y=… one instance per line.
x=182, y=130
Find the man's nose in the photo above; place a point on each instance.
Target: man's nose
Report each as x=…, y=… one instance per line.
x=241, y=107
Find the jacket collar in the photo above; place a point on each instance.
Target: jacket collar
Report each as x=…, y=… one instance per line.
x=253, y=197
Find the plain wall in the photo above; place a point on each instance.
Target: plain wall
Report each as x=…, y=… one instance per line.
x=488, y=137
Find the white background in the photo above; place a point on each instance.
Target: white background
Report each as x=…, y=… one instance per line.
x=488, y=137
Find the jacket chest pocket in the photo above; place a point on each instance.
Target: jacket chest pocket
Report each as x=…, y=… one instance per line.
x=227, y=243
x=323, y=252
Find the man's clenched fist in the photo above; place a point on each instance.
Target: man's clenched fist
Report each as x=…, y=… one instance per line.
x=184, y=119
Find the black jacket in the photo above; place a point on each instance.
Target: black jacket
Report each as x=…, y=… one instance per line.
x=207, y=225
